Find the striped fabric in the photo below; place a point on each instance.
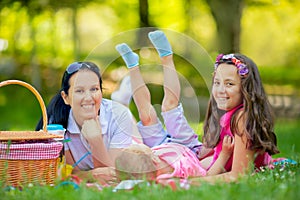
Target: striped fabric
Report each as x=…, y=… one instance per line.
x=30, y=151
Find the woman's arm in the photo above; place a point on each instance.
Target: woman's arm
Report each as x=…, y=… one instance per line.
x=92, y=132
x=112, y=153
x=102, y=175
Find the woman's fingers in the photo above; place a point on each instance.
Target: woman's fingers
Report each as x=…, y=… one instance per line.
x=91, y=128
x=105, y=175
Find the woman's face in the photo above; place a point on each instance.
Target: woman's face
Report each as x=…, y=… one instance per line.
x=227, y=87
x=84, y=96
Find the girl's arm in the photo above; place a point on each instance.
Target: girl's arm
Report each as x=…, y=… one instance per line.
x=243, y=160
x=227, y=149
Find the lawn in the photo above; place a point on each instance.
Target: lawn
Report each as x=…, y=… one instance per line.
x=279, y=183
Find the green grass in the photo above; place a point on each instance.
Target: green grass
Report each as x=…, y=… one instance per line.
x=270, y=184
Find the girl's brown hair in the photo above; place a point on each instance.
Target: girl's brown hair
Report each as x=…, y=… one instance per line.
x=257, y=113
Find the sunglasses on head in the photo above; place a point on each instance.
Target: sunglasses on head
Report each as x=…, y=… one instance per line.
x=74, y=67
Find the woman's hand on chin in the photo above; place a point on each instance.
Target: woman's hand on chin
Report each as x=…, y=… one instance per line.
x=91, y=129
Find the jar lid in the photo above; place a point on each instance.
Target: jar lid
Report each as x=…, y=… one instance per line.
x=52, y=127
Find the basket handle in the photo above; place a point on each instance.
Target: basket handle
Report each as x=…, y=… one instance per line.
x=37, y=95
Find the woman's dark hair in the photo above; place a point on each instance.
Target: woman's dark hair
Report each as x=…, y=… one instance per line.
x=57, y=110
x=257, y=113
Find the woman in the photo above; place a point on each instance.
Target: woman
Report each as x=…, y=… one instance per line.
x=97, y=128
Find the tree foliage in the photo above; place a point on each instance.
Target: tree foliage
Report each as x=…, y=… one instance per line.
x=44, y=36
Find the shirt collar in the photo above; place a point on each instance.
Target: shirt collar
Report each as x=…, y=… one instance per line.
x=225, y=119
x=72, y=126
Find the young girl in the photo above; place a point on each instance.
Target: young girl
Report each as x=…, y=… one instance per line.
x=239, y=108
x=173, y=152
x=98, y=128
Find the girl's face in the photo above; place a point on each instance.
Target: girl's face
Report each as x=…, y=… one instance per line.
x=84, y=96
x=227, y=87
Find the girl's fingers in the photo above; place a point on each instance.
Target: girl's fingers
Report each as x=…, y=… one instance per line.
x=228, y=139
x=232, y=140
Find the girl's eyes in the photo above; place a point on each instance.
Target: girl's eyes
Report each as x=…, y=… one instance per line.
x=228, y=84
x=216, y=82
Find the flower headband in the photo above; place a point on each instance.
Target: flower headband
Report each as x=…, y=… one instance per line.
x=242, y=68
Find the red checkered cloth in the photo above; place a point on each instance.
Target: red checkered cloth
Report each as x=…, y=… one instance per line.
x=30, y=151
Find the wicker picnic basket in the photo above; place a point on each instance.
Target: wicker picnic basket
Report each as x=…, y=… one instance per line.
x=28, y=157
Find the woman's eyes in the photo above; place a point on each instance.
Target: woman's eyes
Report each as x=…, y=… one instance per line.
x=79, y=91
x=95, y=89
x=92, y=90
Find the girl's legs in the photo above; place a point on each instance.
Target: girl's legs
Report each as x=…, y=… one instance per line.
x=171, y=81
x=172, y=111
x=176, y=123
x=141, y=94
x=149, y=126
x=142, y=98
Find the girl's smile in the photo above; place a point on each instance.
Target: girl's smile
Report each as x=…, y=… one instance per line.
x=227, y=87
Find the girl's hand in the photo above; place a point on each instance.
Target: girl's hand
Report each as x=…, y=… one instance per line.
x=91, y=129
x=227, y=150
x=227, y=145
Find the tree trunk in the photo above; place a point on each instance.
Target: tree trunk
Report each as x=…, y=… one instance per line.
x=227, y=14
x=144, y=22
x=144, y=13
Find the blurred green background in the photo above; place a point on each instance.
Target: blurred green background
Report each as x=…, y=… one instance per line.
x=39, y=38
